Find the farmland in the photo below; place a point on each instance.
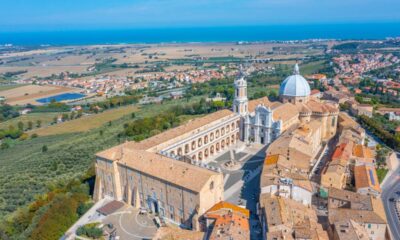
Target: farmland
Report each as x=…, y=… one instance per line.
x=29, y=93
x=86, y=123
x=45, y=118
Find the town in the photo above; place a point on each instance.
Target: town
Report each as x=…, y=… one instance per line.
x=232, y=142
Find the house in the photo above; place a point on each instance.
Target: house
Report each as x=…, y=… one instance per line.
x=227, y=221
x=365, y=210
x=283, y=218
x=366, y=180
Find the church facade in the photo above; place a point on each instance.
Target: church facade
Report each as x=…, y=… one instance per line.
x=168, y=173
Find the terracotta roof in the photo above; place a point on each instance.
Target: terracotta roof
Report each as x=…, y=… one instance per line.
x=360, y=216
x=186, y=128
x=231, y=226
x=362, y=151
x=229, y=206
x=321, y=107
x=298, y=218
x=271, y=159
x=176, y=172
x=110, y=207
x=365, y=176
x=285, y=112
x=260, y=101
x=356, y=200
x=168, y=233
x=348, y=229
x=231, y=221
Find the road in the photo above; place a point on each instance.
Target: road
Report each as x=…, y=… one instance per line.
x=389, y=189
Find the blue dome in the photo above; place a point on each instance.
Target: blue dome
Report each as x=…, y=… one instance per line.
x=295, y=85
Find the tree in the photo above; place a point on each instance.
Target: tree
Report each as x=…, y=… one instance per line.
x=4, y=145
x=30, y=125
x=21, y=126
x=65, y=117
x=133, y=115
x=38, y=123
x=23, y=136
x=366, y=141
x=44, y=148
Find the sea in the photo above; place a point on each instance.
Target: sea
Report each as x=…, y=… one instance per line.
x=365, y=31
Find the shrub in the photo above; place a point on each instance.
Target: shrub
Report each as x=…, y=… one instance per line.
x=90, y=230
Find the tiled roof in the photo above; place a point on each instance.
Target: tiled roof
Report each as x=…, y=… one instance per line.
x=231, y=221
x=298, y=218
x=362, y=151
x=184, y=129
x=360, y=216
x=230, y=206
x=365, y=176
x=177, y=172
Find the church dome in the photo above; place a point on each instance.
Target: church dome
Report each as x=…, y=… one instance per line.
x=295, y=85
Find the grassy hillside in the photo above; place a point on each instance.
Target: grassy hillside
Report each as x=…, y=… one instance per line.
x=8, y=87
x=86, y=123
x=46, y=119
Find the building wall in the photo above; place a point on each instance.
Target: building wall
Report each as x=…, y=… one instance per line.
x=375, y=231
x=206, y=142
x=271, y=189
x=294, y=100
x=135, y=188
x=367, y=191
x=212, y=193
x=301, y=195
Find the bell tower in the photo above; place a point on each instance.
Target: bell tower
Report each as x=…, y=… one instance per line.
x=240, y=102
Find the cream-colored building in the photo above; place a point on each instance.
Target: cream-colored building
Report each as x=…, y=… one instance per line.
x=168, y=173
x=283, y=218
x=366, y=210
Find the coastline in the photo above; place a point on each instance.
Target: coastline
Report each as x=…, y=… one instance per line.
x=185, y=35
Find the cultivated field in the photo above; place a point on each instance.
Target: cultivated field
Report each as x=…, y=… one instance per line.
x=85, y=123
x=8, y=87
x=77, y=59
x=29, y=93
x=46, y=118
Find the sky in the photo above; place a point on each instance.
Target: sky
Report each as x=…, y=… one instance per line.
x=33, y=15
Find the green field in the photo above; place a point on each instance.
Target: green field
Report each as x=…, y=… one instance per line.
x=312, y=67
x=8, y=87
x=86, y=123
x=381, y=172
x=46, y=119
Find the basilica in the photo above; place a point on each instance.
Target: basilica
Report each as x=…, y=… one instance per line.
x=168, y=173
x=270, y=119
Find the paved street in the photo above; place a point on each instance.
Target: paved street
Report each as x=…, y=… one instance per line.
x=129, y=224
x=242, y=186
x=389, y=189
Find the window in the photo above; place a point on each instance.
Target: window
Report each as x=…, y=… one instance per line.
x=212, y=185
x=171, y=212
x=180, y=213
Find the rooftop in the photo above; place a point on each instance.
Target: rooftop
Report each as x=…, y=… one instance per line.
x=366, y=177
